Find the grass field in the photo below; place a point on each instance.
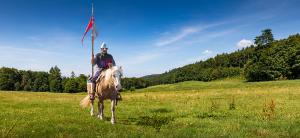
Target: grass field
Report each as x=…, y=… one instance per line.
x=226, y=108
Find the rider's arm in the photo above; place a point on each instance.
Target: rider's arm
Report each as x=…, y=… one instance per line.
x=95, y=60
x=113, y=61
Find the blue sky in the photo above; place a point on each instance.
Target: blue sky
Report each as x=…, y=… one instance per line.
x=144, y=36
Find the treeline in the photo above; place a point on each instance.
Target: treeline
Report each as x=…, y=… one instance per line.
x=221, y=66
x=21, y=80
x=267, y=59
x=40, y=81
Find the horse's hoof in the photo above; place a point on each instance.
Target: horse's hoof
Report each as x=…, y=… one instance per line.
x=92, y=114
x=113, y=122
x=100, y=117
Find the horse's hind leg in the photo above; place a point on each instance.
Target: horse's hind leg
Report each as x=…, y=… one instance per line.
x=100, y=109
x=92, y=108
x=112, y=107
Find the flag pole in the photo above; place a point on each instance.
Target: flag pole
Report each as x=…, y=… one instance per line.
x=93, y=38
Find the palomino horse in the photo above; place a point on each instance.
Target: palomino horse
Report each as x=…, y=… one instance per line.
x=107, y=87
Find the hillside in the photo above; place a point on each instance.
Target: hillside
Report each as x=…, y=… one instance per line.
x=268, y=59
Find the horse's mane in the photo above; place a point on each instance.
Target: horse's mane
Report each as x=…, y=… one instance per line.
x=106, y=76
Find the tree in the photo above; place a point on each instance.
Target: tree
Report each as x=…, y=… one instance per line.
x=265, y=38
x=8, y=78
x=71, y=86
x=81, y=80
x=25, y=77
x=27, y=87
x=17, y=86
x=55, y=80
x=73, y=74
x=296, y=65
x=41, y=82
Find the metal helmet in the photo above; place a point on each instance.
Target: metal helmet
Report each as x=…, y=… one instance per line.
x=103, y=45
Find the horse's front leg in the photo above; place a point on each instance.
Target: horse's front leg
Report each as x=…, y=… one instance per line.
x=112, y=107
x=92, y=108
x=100, y=109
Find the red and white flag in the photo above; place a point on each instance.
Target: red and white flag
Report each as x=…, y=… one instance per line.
x=89, y=26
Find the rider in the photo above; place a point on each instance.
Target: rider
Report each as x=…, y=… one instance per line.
x=103, y=61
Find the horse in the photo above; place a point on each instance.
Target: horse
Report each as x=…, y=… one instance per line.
x=107, y=86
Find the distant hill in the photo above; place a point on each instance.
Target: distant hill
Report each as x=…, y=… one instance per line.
x=268, y=59
x=150, y=76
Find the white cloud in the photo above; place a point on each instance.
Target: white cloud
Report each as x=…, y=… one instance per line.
x=206, y=52
x=172, y=39
x=244, y=43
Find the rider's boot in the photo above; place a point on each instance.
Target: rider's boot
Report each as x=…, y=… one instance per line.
x=92, y=94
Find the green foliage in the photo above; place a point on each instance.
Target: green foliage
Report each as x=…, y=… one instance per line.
x=41, y=82
x=8, y=78
x=265, y=38
x=81, y=80
x=295, y=63
x=268, y=60
x=221, y=66
x=55, y=80
x=27, y=87
x=132, y=83
x=38, y=81
x=74, y=84
x=26, y=77
x=71, y=86
x=132, y=89
x=17, y=86
x=280, y=60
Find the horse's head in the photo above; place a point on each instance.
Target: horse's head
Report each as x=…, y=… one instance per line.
x=117, y=73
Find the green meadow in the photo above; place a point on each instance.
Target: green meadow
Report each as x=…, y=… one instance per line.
x=223, y=108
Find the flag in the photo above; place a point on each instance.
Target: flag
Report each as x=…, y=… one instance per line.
x=89, y=26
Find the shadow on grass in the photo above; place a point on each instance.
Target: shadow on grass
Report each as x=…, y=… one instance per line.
x=214, y=115
x=155, y=120
x=161, y=110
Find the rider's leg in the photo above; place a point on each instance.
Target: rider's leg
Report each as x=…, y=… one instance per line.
x=93, y=80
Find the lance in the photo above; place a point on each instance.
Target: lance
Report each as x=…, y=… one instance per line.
x=93, y=37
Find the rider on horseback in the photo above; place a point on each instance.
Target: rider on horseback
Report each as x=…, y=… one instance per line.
x=103, y=61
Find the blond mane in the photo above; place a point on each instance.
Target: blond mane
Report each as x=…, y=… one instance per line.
x=106, y=76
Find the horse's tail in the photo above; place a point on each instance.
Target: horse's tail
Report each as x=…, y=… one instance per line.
x=85, y=102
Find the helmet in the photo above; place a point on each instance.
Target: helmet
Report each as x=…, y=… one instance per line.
x=103, y=45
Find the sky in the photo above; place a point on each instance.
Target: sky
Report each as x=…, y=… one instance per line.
x=144, y=36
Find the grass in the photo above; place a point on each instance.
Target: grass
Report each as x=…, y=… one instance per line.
x=225, y=108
